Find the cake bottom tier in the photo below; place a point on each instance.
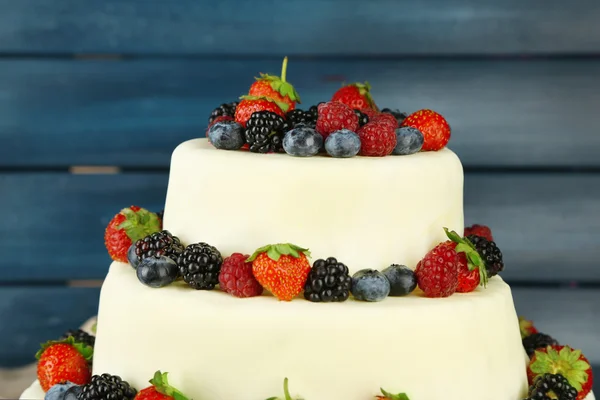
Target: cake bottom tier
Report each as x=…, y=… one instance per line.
x=218, y=347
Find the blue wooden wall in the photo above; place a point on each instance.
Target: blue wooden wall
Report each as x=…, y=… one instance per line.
x=119, y=83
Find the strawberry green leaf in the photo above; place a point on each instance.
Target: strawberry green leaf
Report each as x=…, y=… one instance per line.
x=365, y=90
x=286, y=393
x=273, y=254
x=284, y=106
x=160, y=382
x=562, y=362
x=138, y=225
x=85, y=350
x=275, y=251
x=474, y=260
x=280, y=85
x=390, y=396
x=94, y=328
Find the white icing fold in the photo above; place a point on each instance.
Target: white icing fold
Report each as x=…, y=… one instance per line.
x=218, y=347
x=368, y=212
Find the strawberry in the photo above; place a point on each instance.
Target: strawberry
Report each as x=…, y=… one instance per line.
x=471, y=267
x=276, y=88
x=479, y=230
x=377, y=139
x=435, y=128
x=335, y=116
x=128, y=226
x=356, y=96
x=282, y=269
x=563, y=360
x=160, y=389
x=527, y=328
x=252, y=104
x=286, y=393
x=64, y=360
x=389, y=396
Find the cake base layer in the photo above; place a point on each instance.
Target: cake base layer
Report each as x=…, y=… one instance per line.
x=218, y=347
x=369, y=212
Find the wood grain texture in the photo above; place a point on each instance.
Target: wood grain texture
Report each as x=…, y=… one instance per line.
x=134, y=113
x=39, y=314
x=308, y=27
x=546, y=225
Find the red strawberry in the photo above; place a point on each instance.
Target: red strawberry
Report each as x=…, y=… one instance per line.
x=385, y=118
x=356, y=96
x=334, y=116
x=236, y=277
x=435, y=128
x=565, y=361
x=377, y=139
x=471, y=267
x=479, y=230
x=252, y=104
x=276, y=88
x=390, y=396
x=64, y=360
x=129, y=225
x=437, y=272
x=282, y=269
x=160, y=389
x=527, y=328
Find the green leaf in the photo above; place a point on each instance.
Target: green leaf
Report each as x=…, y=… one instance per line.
x=160, y=382
x=273, y=254
x=390, y=396
x=286, y=392
x=94, y=327
x=85, y=350
x=581, y=365
x=274, y=251
x=138, y=225
x=474, y=260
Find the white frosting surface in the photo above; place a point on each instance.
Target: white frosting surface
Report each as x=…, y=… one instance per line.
x=218, y=347
x=368, y=212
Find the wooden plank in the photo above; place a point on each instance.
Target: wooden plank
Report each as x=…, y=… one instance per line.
x=38, y=314
x=548, y=226
x=309, y=27
x=134, y=113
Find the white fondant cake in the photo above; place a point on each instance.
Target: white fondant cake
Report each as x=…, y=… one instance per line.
x=218, y=347
x=368, y=212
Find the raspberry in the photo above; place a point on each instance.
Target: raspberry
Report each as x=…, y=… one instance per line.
x=437, y=272
x=377, y=139
x=479, y=230
x=369, y=112
x=334, y=116
x=236, y=277
x=386, y=118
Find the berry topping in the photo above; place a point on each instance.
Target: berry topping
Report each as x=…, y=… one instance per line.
x=334, y=116
x=400, y=116
x=129, y=225
x=200, y=265
x=302, y=141
x=342, y=144
x=565, y=361
x=537, y=341
x=527, y=328
x=107, y=387
x=490, y=253
x=390, y=396
x=297, y=117
x=276, y=88
x=80, y=336
x=236, y=277
x=58, y=391
x=160, y=389
x=73, y=393
x=64, y=361
x=409, y=140
x=224, y=110
x=356, y=95
x=286, y=393
x=133, y=259
x=251, y=104
x=479, y=230
x=363, y=118
x=387, y=119
x=377, y=138
x=226, y=135
x=437, y=272
x=282, y=269
x=264, y=132
x=435, y=129
x=471, y=267
x=328, y=281
x=157, y=272
x=370, y=285
x=552, y=386
x=159, y=244
x=370, y=113
x=402, y=279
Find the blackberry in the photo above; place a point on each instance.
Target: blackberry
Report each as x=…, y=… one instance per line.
x=328, y=281
x=537, y=341
x=399, y=115
x=556, y=384
x=491, y=254
x=225, y=109
x=297, y=116
x=200, y=265
x=314, y=110
x=363, y=118
x=159, y=244
x=264, y=132
x=107, y=387
x=80, y=336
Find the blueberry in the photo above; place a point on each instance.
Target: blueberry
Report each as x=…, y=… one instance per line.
x=409, y=141
x=343, y=143
x=73, y=393
x=302, y=141
x=58, y=391
x=370, y=285
x=133, y=259
x=226, y=135
x=402, y=279
x=157, y=271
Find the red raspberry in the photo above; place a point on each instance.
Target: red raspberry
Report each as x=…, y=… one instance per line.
x=437, y=272
x=334, y=116
x=387, y=119
x=369, y=112
x=479, y=230
x=467, y=280
x=236, y=277
x=377, y=139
